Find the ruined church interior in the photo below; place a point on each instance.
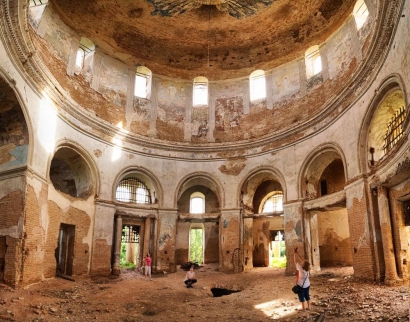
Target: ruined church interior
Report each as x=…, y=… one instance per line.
x=220, y=132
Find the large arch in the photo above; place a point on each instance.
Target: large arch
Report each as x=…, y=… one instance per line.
x=321, y=183
x=326, y=152
x=262, y=234
x=388, y=85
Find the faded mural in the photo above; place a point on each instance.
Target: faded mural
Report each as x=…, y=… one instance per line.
x=228, y=113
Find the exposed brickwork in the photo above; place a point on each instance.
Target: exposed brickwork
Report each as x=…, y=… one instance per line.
x=101, y=258
x=11, y=209
x=335, y=177
x=229, y=241
x=34, y=239
x=82, y=222
x=360, y=239
x=211, y=242
x=336, y=253
x=13, y=261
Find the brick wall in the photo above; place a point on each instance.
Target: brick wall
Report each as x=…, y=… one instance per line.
x=211, y=242
x=34, y=239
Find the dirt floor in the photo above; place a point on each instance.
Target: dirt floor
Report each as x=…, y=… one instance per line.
x=264, y=295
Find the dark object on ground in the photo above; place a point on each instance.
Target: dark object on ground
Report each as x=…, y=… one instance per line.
x=218, y=292
x=186, y=266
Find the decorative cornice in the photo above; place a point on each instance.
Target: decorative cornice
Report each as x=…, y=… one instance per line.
x=15, y=36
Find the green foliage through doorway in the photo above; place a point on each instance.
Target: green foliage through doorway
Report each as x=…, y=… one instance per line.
x=196, y=246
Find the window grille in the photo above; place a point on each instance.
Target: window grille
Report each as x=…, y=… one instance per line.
x=86, y=49
x=360, y=13
x=274, y=203
x=134, y=190
x=34, y=3
x=130, y=234
x=394, y=130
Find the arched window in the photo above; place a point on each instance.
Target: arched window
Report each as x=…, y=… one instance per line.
x=273, y=202
x=142, y=87
x=197, y=203
x=134, y=190
x=200, y=92
x=313, y=61
x=257, y=84
x=360, y=13
x=85, y=51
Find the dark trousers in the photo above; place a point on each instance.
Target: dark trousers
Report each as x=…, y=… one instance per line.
x=190, y=282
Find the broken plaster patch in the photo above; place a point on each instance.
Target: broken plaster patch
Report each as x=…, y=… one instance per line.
x=97, y=153
x=233, y=167
x=355, y=192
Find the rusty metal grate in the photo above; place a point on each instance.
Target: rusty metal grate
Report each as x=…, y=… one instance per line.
x=130, y=234
x=394, y=130
x=133, y=190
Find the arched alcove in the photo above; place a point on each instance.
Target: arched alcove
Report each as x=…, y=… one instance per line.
x=71, y=174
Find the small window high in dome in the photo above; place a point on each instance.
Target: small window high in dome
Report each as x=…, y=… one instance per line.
x=200, y=92
x=360, y=13
x=85, y=52
x=142, y=86
x=257, y=84
x=313, y=61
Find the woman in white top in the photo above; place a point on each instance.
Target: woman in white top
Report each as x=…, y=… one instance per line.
x=190, y=278
x=303, y=279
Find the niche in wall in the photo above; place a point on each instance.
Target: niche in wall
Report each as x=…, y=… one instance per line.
x=70, y=174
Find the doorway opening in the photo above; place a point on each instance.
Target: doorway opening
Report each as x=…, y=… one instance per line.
x=277, y=249
x=65, y=250
x=130, y=246
x=196, y=243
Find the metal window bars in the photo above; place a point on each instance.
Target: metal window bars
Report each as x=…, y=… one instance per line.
x=34, y=3
x=86, y=49
x=394, y=130
x=132, y=189
x=130, y=234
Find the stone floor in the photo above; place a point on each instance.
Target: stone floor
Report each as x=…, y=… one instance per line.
x=265, y=295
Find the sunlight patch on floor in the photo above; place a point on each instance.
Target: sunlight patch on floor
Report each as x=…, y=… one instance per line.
x=276, y=309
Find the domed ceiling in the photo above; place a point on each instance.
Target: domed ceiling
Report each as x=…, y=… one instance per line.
x=218, y=39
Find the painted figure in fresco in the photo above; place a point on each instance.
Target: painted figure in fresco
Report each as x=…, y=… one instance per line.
x=203, y=130
x=234, y=123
